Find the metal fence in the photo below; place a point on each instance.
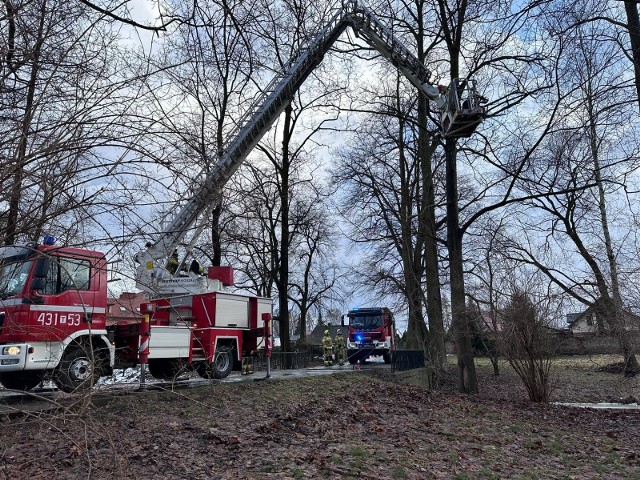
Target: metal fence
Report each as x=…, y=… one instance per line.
x=288, y=360
x=407, y=360
x=401, y=360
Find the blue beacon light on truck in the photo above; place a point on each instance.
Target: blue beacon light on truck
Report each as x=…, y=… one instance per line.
x=48, y=240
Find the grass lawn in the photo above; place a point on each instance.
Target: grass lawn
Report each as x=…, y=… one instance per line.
x=366, y=424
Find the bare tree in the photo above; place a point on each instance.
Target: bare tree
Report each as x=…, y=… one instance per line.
x=385, y=200
x=491, y=280
x=252, y=240
x=204, y=75
x=64, y=103
x=412, y=19
x=460, y=35
x=579, y=174
x=314, y=270
x=596, y=95
x=290, y=27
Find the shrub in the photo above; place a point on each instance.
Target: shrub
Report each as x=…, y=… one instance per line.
x=528, y=344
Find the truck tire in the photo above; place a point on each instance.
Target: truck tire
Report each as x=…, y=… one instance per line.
x=76, y=371
x=386, y=356
x=21, y=380
x=352, y=356
x=221, y=366
x=222, y=361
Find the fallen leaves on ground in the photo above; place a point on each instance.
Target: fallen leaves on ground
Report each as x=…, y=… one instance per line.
x=352, y=425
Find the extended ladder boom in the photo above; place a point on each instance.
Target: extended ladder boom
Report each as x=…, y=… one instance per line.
x=264, y=111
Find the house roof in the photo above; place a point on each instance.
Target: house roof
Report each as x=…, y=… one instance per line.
x=126, y=307
x=573, y=318
x=489, y=325
x=315, y=337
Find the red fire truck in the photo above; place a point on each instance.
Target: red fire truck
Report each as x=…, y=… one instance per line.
x=371, y=332
x=52, y=323
x=53, y=299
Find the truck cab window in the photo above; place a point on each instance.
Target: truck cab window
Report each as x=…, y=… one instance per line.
x=13, y=275
x=67, y=274
x=368, y=321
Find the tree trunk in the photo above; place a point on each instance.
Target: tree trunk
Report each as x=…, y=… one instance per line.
x=21, y=154
x=614, y=311
x=283, y=276
x=416, y=328
x=436, y=353
x=452, y=26
x=633, y=25
x=467, y=381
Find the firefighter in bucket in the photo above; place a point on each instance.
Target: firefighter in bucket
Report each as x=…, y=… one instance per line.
x=327, y=344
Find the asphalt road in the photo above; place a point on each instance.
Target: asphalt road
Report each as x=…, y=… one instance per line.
x=46, y=396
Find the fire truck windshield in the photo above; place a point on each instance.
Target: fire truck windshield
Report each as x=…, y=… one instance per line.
x=366, y=322
x=14, y=270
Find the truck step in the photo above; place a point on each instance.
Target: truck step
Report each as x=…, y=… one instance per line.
x=197, y=355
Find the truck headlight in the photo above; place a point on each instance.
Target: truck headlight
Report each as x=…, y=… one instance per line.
x=12, y=350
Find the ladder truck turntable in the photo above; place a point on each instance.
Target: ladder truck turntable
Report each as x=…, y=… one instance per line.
x=53, y=299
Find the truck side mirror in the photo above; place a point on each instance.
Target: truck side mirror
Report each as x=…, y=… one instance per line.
x=342, y=321
x=42, y=267
x=40, y=272
x=38, y=283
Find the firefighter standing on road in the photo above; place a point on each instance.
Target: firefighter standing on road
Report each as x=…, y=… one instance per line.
x=340, y=348
x=328, y=349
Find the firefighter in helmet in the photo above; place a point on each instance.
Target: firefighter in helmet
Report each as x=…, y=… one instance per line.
x=328, y=349
x=173, y=263
x=338, y=343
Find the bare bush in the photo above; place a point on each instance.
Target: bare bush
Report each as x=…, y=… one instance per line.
x=528, y=344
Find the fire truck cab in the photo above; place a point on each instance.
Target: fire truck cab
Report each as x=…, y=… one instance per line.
x=52, y=315
x=370, y=333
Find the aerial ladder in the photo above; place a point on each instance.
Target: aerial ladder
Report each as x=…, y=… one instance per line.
x=460, y=106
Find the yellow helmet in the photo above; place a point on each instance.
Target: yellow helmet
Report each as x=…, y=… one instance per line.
x=339, y=332
x=326, y=332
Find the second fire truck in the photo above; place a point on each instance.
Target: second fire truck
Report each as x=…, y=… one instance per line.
x=371, y=332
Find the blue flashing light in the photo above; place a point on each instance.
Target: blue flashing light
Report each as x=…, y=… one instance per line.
x=359, y=337
x=48, y=240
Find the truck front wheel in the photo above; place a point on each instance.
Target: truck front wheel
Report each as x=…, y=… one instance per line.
x=76, y=371
x=21, y=380
x=386, y=356
x=353, y=356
